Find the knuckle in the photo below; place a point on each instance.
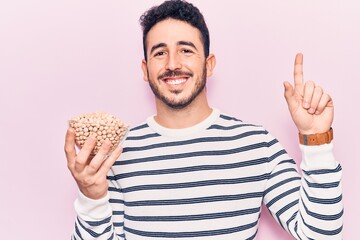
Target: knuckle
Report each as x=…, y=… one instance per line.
x=87, y=181
x=88, y=146
x=79, y=161
x=106, y=144
x=320, y=108
x=319, y=89
x=75, y=175
x=107, y=165
x=67, y=148
x=92, y=168
x=310, y=82
x=105, y=147
x=70, y=167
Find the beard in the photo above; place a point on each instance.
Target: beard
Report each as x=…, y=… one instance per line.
x=182, y=103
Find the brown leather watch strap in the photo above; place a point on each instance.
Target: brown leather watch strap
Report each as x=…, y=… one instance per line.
x=316, y=139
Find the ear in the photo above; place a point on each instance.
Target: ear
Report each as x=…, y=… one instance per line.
x=210, y=64
x=144, y=69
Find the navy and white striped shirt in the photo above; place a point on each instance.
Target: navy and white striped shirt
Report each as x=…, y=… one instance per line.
x=209, y=182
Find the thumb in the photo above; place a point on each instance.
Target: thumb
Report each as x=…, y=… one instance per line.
x=288, y=91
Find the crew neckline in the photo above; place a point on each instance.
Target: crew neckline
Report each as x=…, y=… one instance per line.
x=172, y=132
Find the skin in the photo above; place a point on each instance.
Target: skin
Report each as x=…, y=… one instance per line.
x=90, y=171
x=311, y=109
x=173, y=45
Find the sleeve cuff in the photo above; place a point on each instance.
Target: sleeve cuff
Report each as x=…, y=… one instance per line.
x=318, y=157
x=92, y=210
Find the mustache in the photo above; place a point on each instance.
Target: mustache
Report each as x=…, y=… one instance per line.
x=174, y=73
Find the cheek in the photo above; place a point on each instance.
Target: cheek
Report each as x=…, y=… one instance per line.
x=194, y=62
x=155, y=68
x=197, y=68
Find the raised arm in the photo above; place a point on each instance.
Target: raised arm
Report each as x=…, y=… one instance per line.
x=309, y=207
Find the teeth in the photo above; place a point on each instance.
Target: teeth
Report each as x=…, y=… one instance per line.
x=176, y=81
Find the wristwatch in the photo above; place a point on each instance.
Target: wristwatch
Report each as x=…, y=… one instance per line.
x=316, y=139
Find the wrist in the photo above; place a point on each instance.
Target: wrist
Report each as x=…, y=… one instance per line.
x=91, y=194
x=316, y=138
x=95, y=191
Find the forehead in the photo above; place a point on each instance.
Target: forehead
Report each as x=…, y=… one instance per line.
x=171, y=31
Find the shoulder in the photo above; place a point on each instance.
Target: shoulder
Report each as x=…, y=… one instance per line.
x=234, y=125
x=228, y=122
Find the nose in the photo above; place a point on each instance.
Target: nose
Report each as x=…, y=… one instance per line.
x=173, y=62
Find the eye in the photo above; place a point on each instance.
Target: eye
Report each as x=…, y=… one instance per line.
x=186, y=51
x=159, y=53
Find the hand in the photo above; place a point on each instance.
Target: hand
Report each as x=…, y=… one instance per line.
x=90, y=171
x=311, y=109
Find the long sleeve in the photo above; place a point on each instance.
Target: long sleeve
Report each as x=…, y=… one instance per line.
x=308, y=206
x=321, y=207
x=209, y=182
x=100, y=219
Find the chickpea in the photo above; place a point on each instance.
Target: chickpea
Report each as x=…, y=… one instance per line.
x=101, y=125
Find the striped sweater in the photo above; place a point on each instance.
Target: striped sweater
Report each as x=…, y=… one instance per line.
x=209, y=182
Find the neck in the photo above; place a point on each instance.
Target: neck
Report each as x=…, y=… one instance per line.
x=194, y=113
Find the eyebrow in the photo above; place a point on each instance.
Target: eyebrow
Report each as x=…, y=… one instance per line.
x=160, y=45
x=190, y=44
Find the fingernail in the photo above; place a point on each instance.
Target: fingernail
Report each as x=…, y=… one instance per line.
x=92, y=137
x=306, y=105
x=311, y=110
x=118, y=148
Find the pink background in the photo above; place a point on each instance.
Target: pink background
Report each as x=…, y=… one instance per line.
x=62, y=58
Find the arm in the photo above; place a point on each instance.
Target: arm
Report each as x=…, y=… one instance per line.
x=310, y=207
x=95, y=218
x=101, y=218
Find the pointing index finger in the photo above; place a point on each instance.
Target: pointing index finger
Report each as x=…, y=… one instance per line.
x=298, y=72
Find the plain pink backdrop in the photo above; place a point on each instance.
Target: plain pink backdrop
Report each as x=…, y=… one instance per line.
x=62, y=58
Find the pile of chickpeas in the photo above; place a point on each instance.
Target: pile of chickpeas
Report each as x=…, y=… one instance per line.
x=102, y=126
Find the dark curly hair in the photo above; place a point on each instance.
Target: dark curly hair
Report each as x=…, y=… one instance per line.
x=175, y=9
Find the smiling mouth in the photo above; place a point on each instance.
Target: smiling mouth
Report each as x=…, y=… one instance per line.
x=175, y=77
x=175, y=81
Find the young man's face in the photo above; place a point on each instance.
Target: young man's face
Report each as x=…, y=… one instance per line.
x=176, y=66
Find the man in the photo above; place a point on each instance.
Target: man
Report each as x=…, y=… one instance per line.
x=192, y=172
